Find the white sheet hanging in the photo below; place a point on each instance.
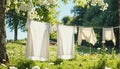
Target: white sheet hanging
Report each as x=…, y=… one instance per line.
x=37, y=47
x=108, y=34
x=65, y=41
x=87, y=34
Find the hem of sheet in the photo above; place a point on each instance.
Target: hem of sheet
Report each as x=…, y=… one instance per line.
x=66, y=57
x=38, y=58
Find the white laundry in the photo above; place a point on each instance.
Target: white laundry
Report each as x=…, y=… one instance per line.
x=108, y=34
x=87, y=34
x=37, y=47
x=65, y=41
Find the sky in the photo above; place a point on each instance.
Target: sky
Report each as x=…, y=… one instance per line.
x=65, y=10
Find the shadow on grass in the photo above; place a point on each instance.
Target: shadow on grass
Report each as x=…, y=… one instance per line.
x=86, y=49
x=21, y=42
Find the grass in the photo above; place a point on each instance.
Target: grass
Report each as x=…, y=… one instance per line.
x=83, y=60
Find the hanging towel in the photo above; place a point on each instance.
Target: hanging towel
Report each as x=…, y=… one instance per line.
x=108, y=34
x=37, y=47
x=65, y=41
x=87, y=34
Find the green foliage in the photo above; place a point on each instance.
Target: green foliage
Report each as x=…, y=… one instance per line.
x=83, y=3
x=58, y=61
x=66, y=20
x=82, y=60
x=23, y=64
x=17, y=20
x=94, y=17
x=118, y=65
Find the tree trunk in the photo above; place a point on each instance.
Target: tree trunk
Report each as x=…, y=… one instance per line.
x=119, y=20
x=16, y=22
x=3, y=52
x=15, y=33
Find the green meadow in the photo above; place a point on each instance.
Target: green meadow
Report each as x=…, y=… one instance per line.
x=85, y=58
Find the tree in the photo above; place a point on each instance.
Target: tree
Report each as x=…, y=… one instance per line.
x=3, y=52
x=94, y=17
x=16, y=18
x=119, y=20
x=66, y=20
x=79, y=13
x=15, y=21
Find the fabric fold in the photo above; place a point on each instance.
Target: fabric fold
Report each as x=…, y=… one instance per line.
x=108, y=34
x=87, y=34
x=65, y=41
x=37, y=46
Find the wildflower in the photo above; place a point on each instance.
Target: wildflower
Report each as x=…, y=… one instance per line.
x=4, y=65
x=51, y=63
x=98, y=48
x=103, y=41
x=107, y=68
x=112, y=48
x=106, y=49
x=35, y=67
x=4, y=60
x=46, y=68
x=80, y=53
x=61, y=63
x=86, y=54
x=13, y=67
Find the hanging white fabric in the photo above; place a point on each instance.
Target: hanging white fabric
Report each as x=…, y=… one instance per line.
x=65, y=41
x=87, y=34
x=108, y=34
x=37, y=40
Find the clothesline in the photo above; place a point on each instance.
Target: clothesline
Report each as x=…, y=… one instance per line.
x=101, y=27
x=38, y=39
x=76, y=26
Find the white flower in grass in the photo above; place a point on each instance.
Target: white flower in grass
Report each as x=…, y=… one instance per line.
x=112, y=48
x=107, y=68
x=51, y=63
x=103, y=41
x=35, y=67
x=98, y=48
x=61, y=63
x=106, y=49
x=46, y=68
x=4, y=65
x=4, y=60
x=86, y=54
x=12, y=67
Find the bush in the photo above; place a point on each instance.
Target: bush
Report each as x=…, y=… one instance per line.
x=23, y=64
